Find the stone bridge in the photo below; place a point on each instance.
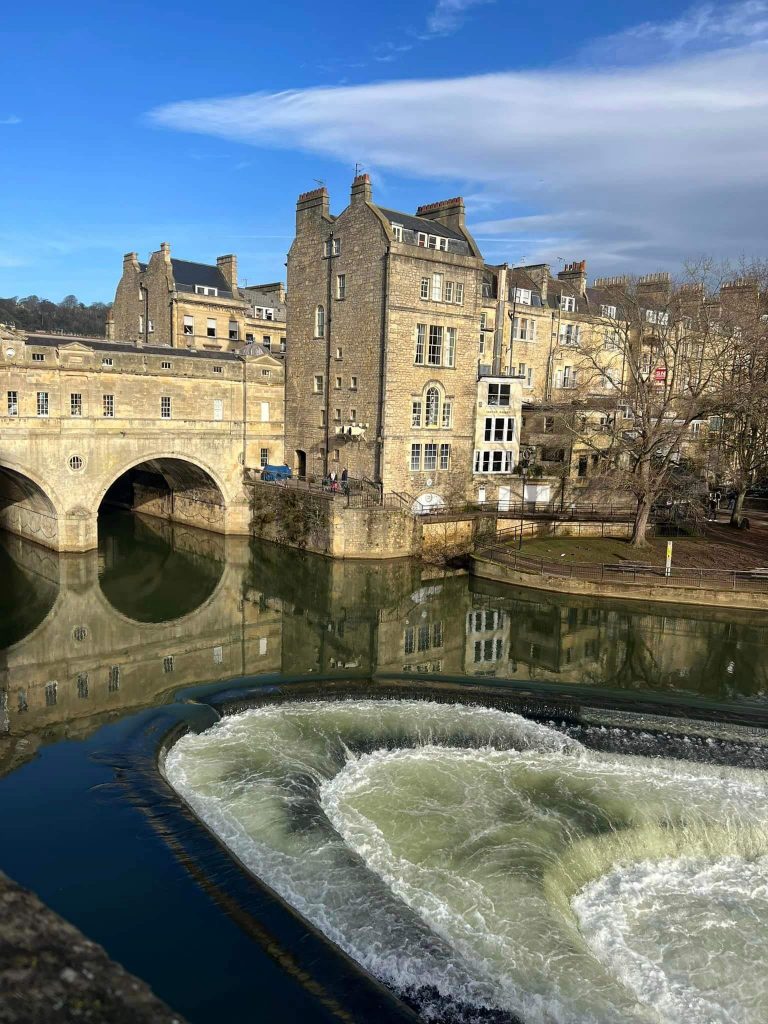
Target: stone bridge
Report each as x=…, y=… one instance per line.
x=165, y=431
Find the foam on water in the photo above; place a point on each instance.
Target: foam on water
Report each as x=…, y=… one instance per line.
x=688, y=936
x=469, y=856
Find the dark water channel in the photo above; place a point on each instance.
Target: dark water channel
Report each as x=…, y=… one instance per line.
x=102, y=654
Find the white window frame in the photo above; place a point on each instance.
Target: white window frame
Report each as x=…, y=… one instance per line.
x=201, y=289
x=108, y=406
x=75, y=403
x=492, y=461
x=445, y=456
x=437, y=287
x=608, y=311
x=415, y=459
x=499, y=429
x=263, y=457
x=397, y=232
x=43, y=404
x=416, y=412
x=421, y=344
x=165, y=407
x=568, y=303
x=435, y=345
x=522, y=295
x=188, y=326
x=424, y=288
x=210, y=327
x=432, y=406
x=317, y=384
x=500, y=391
x=430, y=456
x=13, y=403
x=341, y=287
x=450, y=346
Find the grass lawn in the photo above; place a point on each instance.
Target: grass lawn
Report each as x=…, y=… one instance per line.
x=719, y=547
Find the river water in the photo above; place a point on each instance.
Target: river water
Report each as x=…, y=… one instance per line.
x=504, y=806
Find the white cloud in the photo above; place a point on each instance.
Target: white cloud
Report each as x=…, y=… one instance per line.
x=644, y=164
x=448, y=15
x=12, y=119
x=704, y=27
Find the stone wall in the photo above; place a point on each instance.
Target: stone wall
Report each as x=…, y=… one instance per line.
x=325, y=525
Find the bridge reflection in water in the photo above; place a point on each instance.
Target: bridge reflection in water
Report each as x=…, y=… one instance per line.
x=87, y=638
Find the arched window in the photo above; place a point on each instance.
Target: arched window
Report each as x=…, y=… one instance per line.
x=432, y=406
x=320, y=322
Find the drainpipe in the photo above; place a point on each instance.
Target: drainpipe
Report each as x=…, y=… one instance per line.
x=145, y=329
x=328, y=330
x=379, y=467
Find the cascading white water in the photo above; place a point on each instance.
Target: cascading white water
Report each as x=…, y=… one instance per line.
x=470, y=857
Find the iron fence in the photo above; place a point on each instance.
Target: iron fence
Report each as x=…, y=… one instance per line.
x=631, y=574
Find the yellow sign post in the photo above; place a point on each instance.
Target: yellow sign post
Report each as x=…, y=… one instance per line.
x=668, y=570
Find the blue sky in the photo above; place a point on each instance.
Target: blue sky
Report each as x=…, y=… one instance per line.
x=573, y=131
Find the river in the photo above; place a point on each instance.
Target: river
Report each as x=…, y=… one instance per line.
x=501, y=805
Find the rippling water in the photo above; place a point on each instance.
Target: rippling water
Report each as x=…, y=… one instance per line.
x=484, y=866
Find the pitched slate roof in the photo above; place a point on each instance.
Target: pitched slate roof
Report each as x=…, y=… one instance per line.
x=431, y=227
x=190, y=274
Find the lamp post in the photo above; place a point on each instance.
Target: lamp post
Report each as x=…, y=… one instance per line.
x=527, y=455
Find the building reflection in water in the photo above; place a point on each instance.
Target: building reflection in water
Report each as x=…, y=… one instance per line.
x=88, y=638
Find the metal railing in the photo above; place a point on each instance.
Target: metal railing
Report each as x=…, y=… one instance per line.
x=629, y=573
x=573, y=511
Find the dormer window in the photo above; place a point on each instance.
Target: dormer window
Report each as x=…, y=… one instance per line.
x=657, y=316
x=432, y=241
x=568, y=303
x=609, y=311
x=397, y=232
x=523, y=296
x=202, y=289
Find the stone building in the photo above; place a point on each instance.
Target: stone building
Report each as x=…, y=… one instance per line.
x=382, y=370
x=171, y=429
x=194, y=305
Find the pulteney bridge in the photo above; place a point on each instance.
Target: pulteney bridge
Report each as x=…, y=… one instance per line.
x=161, y=430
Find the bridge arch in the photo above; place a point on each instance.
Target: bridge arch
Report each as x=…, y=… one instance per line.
x=28, y=507
x=171, y=486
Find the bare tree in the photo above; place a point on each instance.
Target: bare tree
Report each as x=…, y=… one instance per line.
x=741, y=440
x=648, y=377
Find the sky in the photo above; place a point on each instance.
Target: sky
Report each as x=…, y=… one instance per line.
x=632, y=136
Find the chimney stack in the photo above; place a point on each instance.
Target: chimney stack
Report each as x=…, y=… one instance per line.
x=131, y=262
x=361, y=189
x=228, y=266
x=165, y=251
x=314, y=204
x=576, y=274
x=448, y=211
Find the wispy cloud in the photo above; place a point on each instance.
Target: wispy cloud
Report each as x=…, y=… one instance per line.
x=704, y=27
x=448, y=15
x=11, y=119
x=634, y=165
